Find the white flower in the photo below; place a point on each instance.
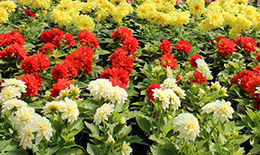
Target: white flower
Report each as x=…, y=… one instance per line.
x=44, y=130
x=187, y=125
x=69, y=110
x=9, y=93
x=208, y=108
x=223, y=110
x=100, y=88
x=180, y=92
x=64, y=93
x=156, y=69
x=25, y=115
x=175, y=100
x=75, y=90
x=201, y=93
x=13, y=103
x=257, y=90
x=215, y=85
x=52, y=106
x=189, y=75
x=203, y=68
x=14, y=82
x=26, y=136
x=118, y=95
x=103, y=112
x=162, y=96
x=126, y=149
x=169, y=83
x=223, y=90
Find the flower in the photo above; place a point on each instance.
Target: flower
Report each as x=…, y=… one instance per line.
x=60, y=85
x=203, y=68
x=9, y=93
x=199, y=78
x=187, y=125
x=29, y=13
x=226, y=46
x=149, y=91
x=183, y=46
x=118, y=95
x=130, y=44
x=103, y=112
x=169, y=60
x=45, y=130
x=8, y=5
x=251, y=85
x=248, y=44
x=24, y=116
x=88, y=38
x=221, y=109
x=13, y=103
x=165, y=46
x=52, y=106
x=122, y=33
x=14, y=82
x=126, y=149
x=100, y=88
x=26, y=136
x=69, y=39
x=117, y=76
x=84, y=22
x=69, y=110
x=169, y=83
x=33, y=83
x=193, y=59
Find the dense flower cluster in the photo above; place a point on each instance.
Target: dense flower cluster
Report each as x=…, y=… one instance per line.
x=6, y=7
x=183, y=46
x=11, y=45
x=33, y=83
x=35, y=63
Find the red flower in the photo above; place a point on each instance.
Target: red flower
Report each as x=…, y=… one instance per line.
x=30, y=65
x=149, y=91
x=88, y=38
x=168, y=61
x=46, y=36
x=239, y=39
x=248, y=44
x=117, y=52
x=178, y=77
x=43, y=61
x=213, y=41
x=71, y=70
x=69, y=39
x=257, y=103
x=60, y=85
x=165, y=46
x=29, y=13
x=199, y=78
x=130, y=44
x=86, y=51
x=122, y=33
x=226, y=46
x=183, y=46
x=47, y=48
x=118, y=77
x=6, y=39
x=17, y=37
x=251, y=85
x=123, y=62
x=59, y=72
x=193, y=59
x=33, y=84
x=244, y=76
x=257, y=57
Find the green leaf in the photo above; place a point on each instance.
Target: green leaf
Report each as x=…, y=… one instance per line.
x=144, y=123
x=93, y=128
x=8, y=145
x=255, y=149
x=93, y=150
x=70, y=151
x=242, y=138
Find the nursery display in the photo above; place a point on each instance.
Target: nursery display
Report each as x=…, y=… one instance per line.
x=121, y=77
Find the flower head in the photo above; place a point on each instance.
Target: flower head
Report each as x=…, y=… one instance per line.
x=126, y=149
x=103, y=112
x=183, y=46
x=69, y=110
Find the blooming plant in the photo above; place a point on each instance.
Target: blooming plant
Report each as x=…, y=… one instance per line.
x=128, y=77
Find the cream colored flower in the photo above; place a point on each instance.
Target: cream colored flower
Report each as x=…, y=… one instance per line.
x=180, y=92
x=208, y=108
x=25, y=115
x=215, y=85
x=257, y=90
x=169, y=72
x=100, y=88
x=13, y=103
x=187, y=125
x=126, y=149
x=14, y=82
x=156, y=69
x=45, y=130
x=69, y=110
x=118, y=95
x=174, y=99
x=9, y=93
x=52, y=106
x=201, y=93
x=26, y=136
x=223, y=110
x=110, y=139
x=162, y=95
x=169, y=83
x=189, y=75
x=103, y=112
x=203, y=68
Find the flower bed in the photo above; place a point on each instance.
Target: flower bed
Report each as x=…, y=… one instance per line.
x=129, y=77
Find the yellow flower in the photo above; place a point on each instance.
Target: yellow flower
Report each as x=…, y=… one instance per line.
x=215, y=20
x=229, y=19
x=160, y=18
x=249, y=12
x=89, y=6
x=122, y=10
x=231, y=7
x=61, y=17
x=242, y=22
x=214, y=7
x=3, y=15
x=256, y=21
x=182, y=18
x=24, y=2
x=197, y=7
x=40, y=4
x=240, y=2
x=145, y=10
x=84, y=22
x=117, y=2
x=8, y=5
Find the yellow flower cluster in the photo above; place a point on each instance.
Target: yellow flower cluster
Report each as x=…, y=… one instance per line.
x=68, y=12
x=234, y=13
x=118, y=9
x=45, y=4
x=6, y=7
x=162, y=12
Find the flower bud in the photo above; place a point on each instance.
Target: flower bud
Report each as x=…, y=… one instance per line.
x=173, y=139
x=234, y=134
x=122, y=120
x=169, y=117
x=36, y=15
x=110, y=139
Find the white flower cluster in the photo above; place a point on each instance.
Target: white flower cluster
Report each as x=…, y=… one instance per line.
x=68, y=108
x=187, y=125
x=126, y=149
x=221, y=109
x=103, y=112
x=13, y=88
x=71, y=91
x=30, y=126
x=102, y=88
x=203, y=68
x=170, y=93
